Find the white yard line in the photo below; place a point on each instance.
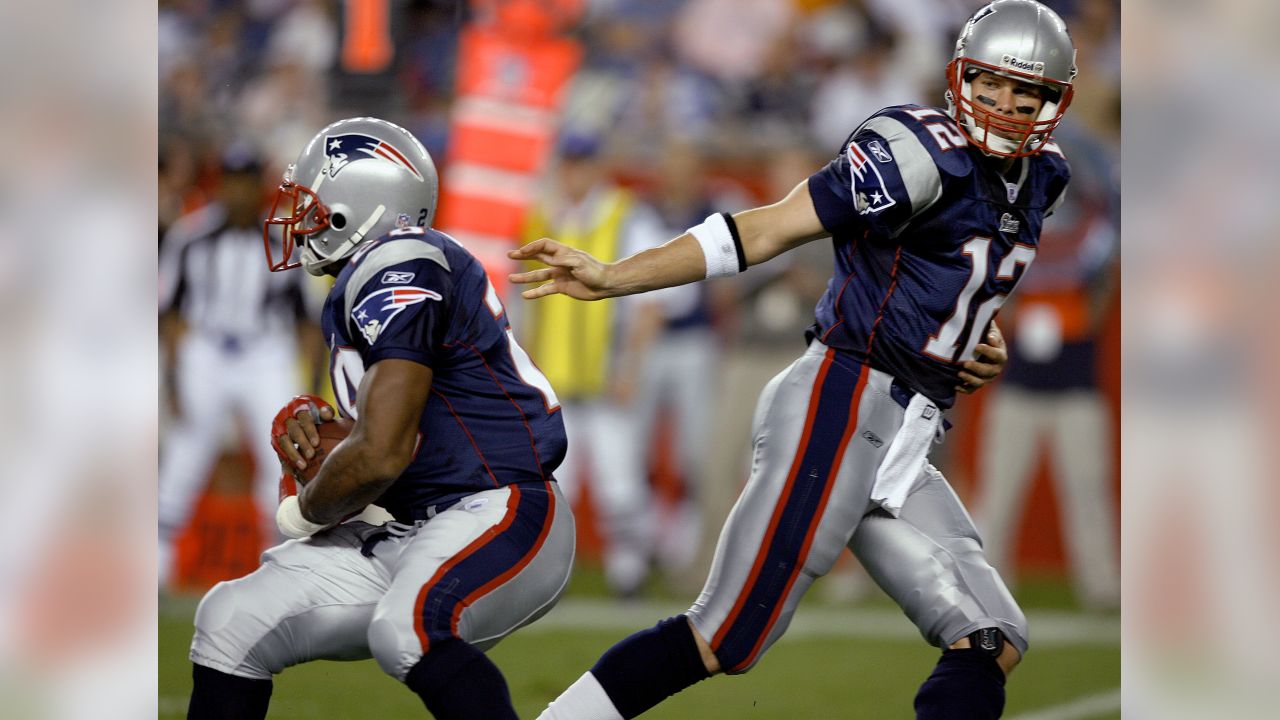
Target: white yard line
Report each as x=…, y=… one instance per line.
x=1088, y=706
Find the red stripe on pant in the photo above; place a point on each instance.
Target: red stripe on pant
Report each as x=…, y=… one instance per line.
x=777, y=511
x=817, y=518
x=483, y=590
x=488, y=535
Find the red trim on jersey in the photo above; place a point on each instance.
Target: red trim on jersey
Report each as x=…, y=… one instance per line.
x=814, y=400
x=893, y=285
x=514, y=569
x=839, y=314
x=488, y=535
x=523, y=418
x=827, y=487
x=463, y=425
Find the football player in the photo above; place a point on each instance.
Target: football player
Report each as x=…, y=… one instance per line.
x=456, y=435
x=934, y=216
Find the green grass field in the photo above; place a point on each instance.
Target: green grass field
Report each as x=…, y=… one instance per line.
x=850, y=660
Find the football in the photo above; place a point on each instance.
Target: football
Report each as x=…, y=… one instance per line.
x=331, y=433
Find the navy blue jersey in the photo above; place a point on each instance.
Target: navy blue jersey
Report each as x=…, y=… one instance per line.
x=929, y=240
x=492, y=418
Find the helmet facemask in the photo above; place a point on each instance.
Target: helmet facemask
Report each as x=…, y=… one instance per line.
x=999, y=135
x=306, y=216
x=311, y=226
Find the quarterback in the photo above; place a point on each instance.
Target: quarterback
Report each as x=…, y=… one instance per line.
x=934, y=215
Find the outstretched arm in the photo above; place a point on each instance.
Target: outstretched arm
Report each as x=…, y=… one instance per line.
x=764, y=232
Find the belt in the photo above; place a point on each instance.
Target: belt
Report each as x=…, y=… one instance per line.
x=394, y=529
x=901, y=394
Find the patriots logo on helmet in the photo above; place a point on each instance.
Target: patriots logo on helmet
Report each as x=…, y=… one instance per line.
x=342, y=150
x=376, y=311
x=869, y=189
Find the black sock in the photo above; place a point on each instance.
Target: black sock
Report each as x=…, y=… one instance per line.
x=966, y=684
x=457, y=682
x=650, y=666
x=220, y=696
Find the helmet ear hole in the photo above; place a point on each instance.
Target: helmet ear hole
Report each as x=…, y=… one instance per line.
x=338, y=221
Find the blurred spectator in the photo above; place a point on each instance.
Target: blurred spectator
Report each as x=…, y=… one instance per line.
x=872, y=77
x=229, y=335
x=280, y=110
x=593, y=355
x=1049, y=397
x=678, y=386
x=731, y=40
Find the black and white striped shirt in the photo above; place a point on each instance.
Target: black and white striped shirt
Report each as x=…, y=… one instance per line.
x=215, y=276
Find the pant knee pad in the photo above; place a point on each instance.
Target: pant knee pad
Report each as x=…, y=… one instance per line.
x=220, y=641
x=396, y=654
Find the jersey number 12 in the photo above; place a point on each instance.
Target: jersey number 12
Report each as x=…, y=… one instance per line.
x=947, y=340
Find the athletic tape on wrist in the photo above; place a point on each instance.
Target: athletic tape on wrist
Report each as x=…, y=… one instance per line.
x=291, y=523
x=721, y=246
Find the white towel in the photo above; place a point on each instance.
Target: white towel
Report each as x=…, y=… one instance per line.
x=906, y=456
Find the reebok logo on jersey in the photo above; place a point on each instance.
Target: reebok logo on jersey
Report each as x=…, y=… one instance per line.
x=872, y=438
x=1008, y=224
x=869, y=192
x=879, y=152
x=376, y=311
x=395, y=277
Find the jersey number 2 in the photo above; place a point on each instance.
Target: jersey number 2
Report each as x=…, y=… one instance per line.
x=946, y=341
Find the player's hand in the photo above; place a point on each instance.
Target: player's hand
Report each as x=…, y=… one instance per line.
x=992, y=358
x=293, y=431
x=570, y=271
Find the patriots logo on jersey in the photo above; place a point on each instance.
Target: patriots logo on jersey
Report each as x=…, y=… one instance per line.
x=869, y=191
x=342, y=150
x=376, y=311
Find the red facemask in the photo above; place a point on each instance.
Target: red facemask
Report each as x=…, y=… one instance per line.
x=307, y=215
x=1026, y=136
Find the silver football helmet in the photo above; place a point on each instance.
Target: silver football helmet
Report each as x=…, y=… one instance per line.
x=1022, y=40
x=357, y=179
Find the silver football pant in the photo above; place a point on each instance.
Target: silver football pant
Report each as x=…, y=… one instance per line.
x=821, y=430
x=489, y=564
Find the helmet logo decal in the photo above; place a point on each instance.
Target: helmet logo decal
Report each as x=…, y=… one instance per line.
x=1026, y=66
x=342, y=150
x=376, y=311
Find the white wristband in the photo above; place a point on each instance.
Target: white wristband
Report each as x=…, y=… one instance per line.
x=720, y=246
x=290, y=522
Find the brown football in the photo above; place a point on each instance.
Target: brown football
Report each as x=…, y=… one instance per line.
x=331, y=433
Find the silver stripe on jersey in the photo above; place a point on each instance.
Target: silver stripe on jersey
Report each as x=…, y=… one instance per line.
x=919, y=171
x=392, y=252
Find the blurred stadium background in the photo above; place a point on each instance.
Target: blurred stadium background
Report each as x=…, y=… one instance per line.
x=685, y=105
x=78, y=617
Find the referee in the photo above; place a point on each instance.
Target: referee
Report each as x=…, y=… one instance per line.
x=230, y=337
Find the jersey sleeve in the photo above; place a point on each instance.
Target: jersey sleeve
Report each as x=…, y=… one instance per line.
x=400, y=306
x=1060, y=178
x=881, y=180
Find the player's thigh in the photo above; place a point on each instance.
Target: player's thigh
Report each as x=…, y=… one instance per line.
x=490, y=564
x=808, y=488
x=930, y=561
x=310, y=599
